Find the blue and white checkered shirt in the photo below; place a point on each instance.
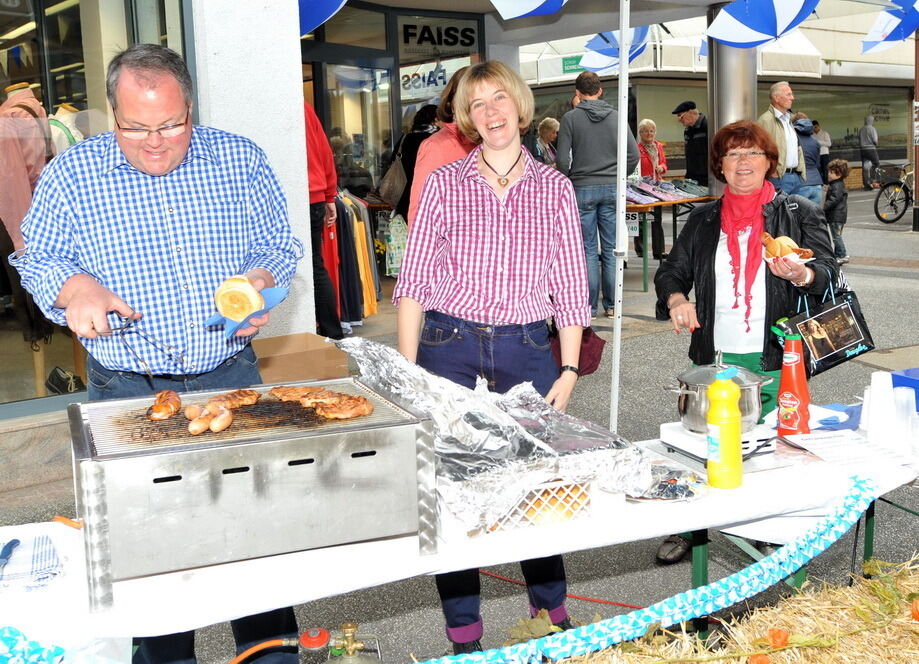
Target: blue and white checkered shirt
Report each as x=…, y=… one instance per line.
x=161, y=243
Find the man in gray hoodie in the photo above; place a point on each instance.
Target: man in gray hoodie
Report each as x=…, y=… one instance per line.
x=868, y=148
x=587, y=148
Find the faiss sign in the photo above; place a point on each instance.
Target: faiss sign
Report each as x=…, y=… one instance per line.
x=437, y=35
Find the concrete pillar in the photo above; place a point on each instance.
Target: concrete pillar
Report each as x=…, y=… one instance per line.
x=239, y=93
x=104, y=30
x=506, y=53
x=731, y=86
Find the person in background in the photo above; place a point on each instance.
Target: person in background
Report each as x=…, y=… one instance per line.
x=653, y=163
x=695, y=134
x=448, y=144
x=424, y=124
x=776, y=120
x=868, y=149
x=836, y=206
x=143, y=224
x=719, y=257
x=323, y=187
x=587, y=153
x=822, y=136
x=812, y=187
x=495, y=250
x=548, y=133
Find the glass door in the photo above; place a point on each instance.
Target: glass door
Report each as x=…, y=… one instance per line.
x=359, y=124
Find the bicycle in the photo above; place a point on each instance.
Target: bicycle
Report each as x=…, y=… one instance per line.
x=895, y=198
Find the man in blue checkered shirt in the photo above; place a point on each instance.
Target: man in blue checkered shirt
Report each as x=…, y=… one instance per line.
x=130, y=233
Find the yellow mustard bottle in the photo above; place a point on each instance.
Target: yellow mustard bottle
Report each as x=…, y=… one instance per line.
x=725, y=463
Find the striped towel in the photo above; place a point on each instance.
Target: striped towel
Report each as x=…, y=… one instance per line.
x=33, y=565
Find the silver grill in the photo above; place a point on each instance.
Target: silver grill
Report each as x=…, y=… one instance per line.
x=156, y=499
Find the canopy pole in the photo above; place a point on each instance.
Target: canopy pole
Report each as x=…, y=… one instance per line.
x=622, y=240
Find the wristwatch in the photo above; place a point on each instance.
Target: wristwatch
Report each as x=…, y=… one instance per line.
x=568, y=367
x=808, y=278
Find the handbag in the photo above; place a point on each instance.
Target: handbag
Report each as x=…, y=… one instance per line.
x=393, y=183
x=833, y=330
x=591, y=349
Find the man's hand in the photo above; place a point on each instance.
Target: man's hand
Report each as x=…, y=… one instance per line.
x=260, y=279
x=86, y=305
x=330, y=215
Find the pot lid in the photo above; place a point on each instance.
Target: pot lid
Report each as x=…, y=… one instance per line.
x=705, y=375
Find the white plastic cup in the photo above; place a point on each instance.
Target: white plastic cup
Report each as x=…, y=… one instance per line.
x=865, y=420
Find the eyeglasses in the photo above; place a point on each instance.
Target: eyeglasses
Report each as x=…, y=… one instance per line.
x=737, y=156
x=169, y=131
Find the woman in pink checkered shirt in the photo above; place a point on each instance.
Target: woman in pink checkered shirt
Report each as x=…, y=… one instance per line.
x=494, y=251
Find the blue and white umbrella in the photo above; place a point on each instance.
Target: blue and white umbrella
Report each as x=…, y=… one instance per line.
x=519, y=8
x=749, y=23
x=602, y=54
x=314, y=13
x=891, y=26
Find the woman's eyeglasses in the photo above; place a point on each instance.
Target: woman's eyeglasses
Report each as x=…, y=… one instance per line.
x=737, y=156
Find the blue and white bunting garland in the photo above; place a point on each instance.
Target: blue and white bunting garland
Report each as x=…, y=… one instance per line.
x=509, y=9
x=892, y=26
x=314, y=13
x=749, y=23
x=693, y=603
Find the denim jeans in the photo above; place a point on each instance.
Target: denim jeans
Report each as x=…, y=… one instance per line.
x=241, y=370
x=812, y=192
x=597, y=207
x=505, y=355
x=839, y=247
x=790, y=183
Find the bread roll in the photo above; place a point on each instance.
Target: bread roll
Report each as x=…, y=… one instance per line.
x=783, y=246
x=237, y=298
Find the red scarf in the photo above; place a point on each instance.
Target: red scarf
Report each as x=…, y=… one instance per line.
x=739, y=213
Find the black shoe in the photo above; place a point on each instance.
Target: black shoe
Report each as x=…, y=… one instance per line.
x=466, y=648
x=672, y=550
x=61, y=381
x=565, y=624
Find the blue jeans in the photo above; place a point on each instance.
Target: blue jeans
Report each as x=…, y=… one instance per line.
x=505, y=355
x=839, y=247
x=790, y=183
x=597, y=207
x=241, y=370
x=812, y=192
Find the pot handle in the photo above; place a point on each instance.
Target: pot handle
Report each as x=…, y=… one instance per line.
x=676, y=389
x=765, y=380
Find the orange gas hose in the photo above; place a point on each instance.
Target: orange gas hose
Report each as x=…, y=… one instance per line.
x=258, y=647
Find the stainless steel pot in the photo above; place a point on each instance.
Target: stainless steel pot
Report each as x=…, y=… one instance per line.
x=692, y=400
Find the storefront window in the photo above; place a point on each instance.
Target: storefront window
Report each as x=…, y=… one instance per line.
x=359, y=127
x=357, y=27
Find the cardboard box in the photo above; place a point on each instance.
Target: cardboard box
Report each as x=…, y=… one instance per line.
x=301, y=356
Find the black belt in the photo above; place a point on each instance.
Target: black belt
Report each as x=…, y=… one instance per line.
x=790, y=170
x=179, y=378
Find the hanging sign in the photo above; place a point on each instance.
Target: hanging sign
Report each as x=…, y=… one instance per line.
x=633, y=224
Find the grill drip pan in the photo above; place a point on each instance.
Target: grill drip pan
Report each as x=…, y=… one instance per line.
x=156, y=499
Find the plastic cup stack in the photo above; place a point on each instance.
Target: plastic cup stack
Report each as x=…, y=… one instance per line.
x=905, y=416
x=882, y=426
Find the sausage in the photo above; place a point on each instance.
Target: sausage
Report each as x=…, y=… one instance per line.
x=200, y=424
x=166, y=404
x=221, y=420
x=193, y=411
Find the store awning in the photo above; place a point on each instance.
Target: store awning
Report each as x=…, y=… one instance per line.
x=791, y=56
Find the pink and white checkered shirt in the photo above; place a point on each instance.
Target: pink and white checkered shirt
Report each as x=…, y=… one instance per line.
x=512, y=261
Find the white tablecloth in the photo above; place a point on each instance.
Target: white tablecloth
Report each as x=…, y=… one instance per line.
x=179, y=601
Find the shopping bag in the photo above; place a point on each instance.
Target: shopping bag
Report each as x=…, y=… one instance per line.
x=396, y=237
x=393, y=183
x=833, y=330
x=591, y=349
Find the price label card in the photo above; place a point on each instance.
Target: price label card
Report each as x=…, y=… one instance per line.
x=633, y=224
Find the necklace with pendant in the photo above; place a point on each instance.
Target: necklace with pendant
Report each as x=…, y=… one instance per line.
x=502, y=179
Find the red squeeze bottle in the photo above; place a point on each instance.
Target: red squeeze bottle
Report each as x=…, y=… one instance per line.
x=794, y=398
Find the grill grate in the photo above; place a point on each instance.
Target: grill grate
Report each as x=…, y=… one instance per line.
x=120, y=427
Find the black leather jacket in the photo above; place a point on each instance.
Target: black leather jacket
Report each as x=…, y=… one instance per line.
x=836, y=205
x=691, y=266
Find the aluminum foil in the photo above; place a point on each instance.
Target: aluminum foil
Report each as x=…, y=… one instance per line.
x=492, y=448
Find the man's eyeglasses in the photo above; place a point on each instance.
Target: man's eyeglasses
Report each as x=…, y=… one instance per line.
x=737, y=156
x=169, y=131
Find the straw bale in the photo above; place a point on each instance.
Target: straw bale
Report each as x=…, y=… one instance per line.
x=869, y=622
